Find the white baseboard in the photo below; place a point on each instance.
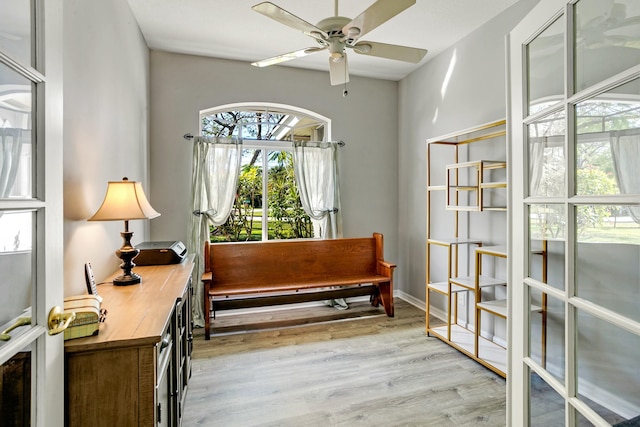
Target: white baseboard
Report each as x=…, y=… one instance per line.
x=435, y=312
x=409, y=298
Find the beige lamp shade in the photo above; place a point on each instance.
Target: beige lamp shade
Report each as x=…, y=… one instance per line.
x=124, y=200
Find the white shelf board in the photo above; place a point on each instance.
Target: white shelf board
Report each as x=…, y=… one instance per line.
x=463, y=339
x=443, y=288
x=454, y=241
x=493, y=354
x=460, y=336
x=485, y=281
x=497, y=307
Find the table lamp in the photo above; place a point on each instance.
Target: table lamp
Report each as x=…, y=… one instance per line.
x=124, y=201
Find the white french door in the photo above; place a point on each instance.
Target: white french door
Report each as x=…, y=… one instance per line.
x=31, y=220
x=575, y=214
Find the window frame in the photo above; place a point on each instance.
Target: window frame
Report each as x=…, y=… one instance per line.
x=290, y=113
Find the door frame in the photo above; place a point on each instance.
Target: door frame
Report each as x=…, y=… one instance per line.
x=47, y=363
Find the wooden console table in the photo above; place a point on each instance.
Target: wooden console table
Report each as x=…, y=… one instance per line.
x=135, y=371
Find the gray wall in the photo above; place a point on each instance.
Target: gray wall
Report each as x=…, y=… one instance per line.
x=106, y=67
x=474, y=95
x=183, y=85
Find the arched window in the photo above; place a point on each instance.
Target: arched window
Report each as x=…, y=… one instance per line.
x=267, y=204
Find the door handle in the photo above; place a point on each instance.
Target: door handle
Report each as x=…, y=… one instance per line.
x=59, y=320
x=20, y=321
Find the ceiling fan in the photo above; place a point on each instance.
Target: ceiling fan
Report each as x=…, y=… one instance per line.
x=338, y=33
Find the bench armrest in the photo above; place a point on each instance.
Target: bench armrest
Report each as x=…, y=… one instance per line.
x=207, y=276
x=385, y=268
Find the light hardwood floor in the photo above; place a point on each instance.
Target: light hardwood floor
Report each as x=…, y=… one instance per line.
x=369, y=370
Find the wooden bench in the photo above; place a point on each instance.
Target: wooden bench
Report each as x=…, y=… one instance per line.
x=250, y=274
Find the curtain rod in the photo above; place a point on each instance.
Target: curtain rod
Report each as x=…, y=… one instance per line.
x=339, y=143
x=189, y=136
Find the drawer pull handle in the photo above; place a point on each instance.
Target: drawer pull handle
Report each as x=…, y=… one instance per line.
x=165, y=343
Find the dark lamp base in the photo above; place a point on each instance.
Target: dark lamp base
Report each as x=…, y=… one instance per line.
x=126, y=280
x=127, y=253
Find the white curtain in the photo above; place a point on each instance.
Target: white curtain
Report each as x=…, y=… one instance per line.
x=214, y=180
x=316, y=173
x=536, y=164
x=625, y=150
x=11, y=140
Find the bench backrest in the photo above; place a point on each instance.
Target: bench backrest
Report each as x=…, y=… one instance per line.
x=287, y=261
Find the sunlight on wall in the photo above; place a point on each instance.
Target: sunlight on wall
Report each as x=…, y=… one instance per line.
x=447, y=77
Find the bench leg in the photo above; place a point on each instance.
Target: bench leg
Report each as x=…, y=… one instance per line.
x=207, y=316
x=386, y=296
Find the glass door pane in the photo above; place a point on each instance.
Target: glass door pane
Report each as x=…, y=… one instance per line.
x=546, y=406
x=547, y=155
x=16, y=265
x=15, y=393
x=545, y=59
x=547, y=240
x=608, y=368
x=15, y=29
x=547, y=331
x=16, y=112
x=607, y=32
x=608, y=143
x=608, y=259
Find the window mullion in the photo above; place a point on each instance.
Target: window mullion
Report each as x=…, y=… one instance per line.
x=265, y=195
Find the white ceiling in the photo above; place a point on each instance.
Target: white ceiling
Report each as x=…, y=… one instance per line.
x=230, y=29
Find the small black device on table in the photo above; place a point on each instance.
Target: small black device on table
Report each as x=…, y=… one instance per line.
x=160, y=253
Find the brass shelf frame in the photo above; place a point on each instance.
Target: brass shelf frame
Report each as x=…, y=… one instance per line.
x=463, y=339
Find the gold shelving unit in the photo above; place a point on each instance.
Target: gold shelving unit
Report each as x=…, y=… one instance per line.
x=464, y=188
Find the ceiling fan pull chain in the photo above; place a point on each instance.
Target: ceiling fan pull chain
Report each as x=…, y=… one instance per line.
x=345, y=92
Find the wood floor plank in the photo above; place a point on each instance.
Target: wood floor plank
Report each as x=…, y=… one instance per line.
x=368, y=371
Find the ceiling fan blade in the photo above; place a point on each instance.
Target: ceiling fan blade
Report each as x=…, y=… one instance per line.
x=375, y=15
x=287, y=56
x=287, y=18
x=390, y=51
x=339, y=71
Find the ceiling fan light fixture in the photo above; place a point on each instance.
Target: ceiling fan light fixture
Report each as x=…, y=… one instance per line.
x=336, y=56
